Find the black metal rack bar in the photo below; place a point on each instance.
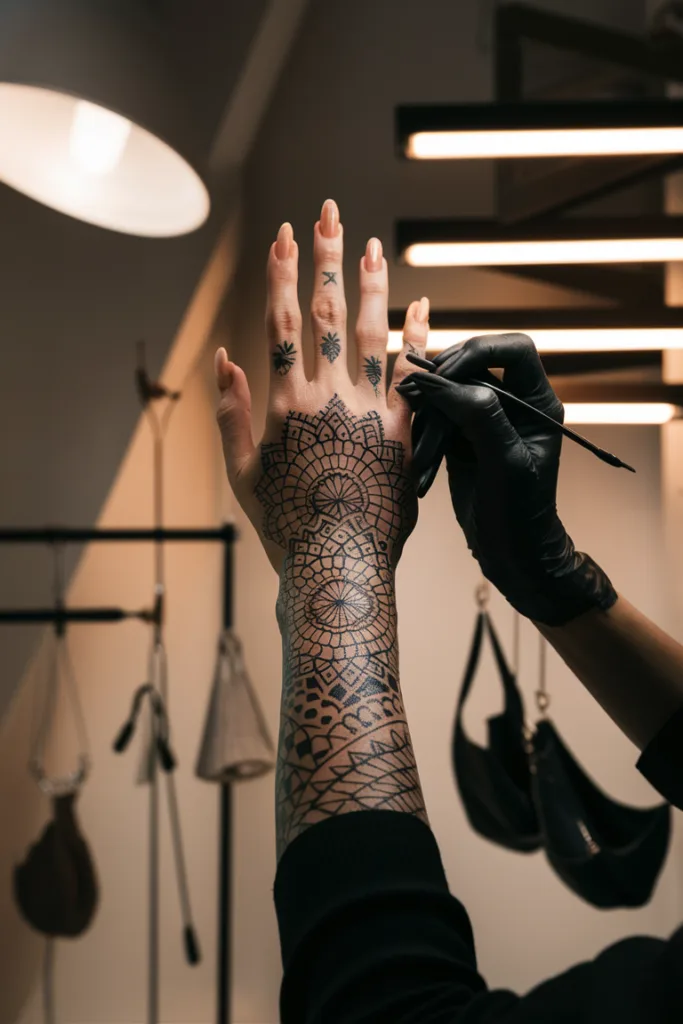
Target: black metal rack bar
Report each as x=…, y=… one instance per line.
x=226, y=534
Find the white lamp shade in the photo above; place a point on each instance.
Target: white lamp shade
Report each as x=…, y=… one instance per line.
x=51, y=154
x=92, y=120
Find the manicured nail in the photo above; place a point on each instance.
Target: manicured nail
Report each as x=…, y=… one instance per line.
x=224, y=376
x=373, y=255
x=329, y=218
x=422, y=314
x=284, y=240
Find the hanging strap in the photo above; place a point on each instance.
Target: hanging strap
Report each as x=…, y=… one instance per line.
x=513, y=700
x=61, y=669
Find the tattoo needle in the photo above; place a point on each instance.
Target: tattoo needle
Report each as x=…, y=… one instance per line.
x=601, y=453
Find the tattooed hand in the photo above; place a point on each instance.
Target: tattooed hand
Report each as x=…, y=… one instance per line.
x=329, y=492
x=332, y=449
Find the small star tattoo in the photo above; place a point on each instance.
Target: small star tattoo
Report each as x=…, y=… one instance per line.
x=330, y=277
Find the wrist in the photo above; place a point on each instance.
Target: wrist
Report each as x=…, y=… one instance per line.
x=555, y=598
x=337, y=607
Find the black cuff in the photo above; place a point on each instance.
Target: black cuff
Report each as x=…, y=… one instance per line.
x=662, y=760
x=334, y=864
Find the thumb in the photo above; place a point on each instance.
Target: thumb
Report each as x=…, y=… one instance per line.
x=234, y=414
x=477, y=411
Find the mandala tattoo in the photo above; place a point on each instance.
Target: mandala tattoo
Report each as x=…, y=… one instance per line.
x=284, y=357
x=373, y=371
x=331, y=346
x=337, y=498
x=330, y=277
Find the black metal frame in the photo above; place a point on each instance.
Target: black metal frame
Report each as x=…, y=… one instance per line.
x=556, y=185
x=226, y=535
x=562, y=364
x=534, y=114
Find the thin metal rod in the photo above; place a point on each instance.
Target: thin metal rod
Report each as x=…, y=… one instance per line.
x=224, y=1015
x=70, y=615
x=51, y=535
x=153, y=911
x=224, y=963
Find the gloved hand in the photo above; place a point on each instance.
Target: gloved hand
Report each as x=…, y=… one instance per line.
x=503, y=465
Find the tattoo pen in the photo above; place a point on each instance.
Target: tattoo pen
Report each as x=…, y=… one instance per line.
x=601, y=453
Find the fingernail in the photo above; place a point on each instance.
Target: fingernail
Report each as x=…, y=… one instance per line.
x=284, y=240
x=225, y=377
x=329, y=218
x=422, y=314
x=373, y=255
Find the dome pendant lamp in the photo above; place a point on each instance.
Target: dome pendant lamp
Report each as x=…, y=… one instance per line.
x=93, y=121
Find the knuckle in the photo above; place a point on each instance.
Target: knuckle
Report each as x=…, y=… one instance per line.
x=285, y=320
x=328, y=311
x=369, y=333
x=372, y=286
x=483, y=403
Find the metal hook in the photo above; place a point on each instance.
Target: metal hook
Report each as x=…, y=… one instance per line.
x=482, y=595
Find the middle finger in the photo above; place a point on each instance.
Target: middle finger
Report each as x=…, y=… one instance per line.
x=328, y=309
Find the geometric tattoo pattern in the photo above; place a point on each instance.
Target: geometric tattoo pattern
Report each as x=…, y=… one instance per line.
x=336, y=497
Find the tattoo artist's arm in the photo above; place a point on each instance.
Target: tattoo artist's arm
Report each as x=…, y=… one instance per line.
x=629, y=665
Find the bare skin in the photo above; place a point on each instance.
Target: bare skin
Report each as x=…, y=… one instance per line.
x=627, y=663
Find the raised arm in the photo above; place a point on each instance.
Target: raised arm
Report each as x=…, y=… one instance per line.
x=329, y=492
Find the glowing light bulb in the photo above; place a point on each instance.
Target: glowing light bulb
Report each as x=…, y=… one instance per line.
x=98, y=138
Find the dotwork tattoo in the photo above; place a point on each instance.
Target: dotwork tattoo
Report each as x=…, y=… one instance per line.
x=331, y=346
x=373, y=371
x=330, y=277
x=337, y=498
x=284, y=357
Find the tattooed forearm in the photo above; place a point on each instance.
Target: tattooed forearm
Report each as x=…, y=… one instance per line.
x=284, y=357
x=331, y=346
x=336, y=497
x=330, y=277
x=373, y=371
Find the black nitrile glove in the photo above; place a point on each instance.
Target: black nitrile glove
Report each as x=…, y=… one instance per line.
x=503, y=465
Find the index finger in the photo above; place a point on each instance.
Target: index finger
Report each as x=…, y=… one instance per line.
x=524, y=375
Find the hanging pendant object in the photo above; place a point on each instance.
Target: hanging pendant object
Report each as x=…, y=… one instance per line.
x=56, y=886
x=236, y=743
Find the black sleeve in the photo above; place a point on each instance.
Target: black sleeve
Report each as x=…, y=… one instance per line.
x=662, y=760
x=371, y=935
x=369, y=930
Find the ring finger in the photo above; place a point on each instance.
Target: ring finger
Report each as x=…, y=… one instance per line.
x=372, y=328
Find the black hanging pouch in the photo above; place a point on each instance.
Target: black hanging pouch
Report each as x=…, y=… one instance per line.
x=56, y=886
x=494, y=781
x=609, y=854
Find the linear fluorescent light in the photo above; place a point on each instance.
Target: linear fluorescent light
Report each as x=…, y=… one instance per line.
x=521, y=130
x=555, y=330
x=504, y=144
x=478, y=242
x=619, y=412
x=618, y=339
